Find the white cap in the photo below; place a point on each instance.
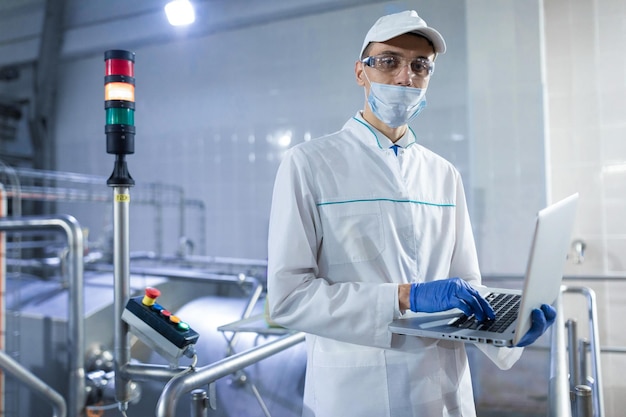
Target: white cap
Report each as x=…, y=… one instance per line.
x=390, y=26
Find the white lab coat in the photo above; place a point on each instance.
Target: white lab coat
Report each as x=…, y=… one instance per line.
x=350, y=221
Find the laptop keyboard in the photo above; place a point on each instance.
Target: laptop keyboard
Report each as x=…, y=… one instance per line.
x=505, y=306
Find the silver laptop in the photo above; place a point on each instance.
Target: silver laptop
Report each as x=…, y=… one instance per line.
x=542, y=284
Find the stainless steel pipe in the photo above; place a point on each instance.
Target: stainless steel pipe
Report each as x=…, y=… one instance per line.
x=76, y=326
x=176, y=273
x=121, y=277
x=196, y=378
x=594, y=346
x=572, y=343
x=19, y=372
x=583, y=401
x=150, y=372
x=559, y=404
x=199, y=401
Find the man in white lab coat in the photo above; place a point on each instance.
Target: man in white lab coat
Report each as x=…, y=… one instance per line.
x=367, y=224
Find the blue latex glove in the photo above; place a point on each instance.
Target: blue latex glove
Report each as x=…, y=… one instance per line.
x=434, y=296
x=541, y=319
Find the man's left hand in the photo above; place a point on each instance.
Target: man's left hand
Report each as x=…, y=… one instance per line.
x=541, y=319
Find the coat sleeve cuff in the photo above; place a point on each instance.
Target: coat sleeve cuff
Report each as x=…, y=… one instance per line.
x=503, y=357
x=387, y=310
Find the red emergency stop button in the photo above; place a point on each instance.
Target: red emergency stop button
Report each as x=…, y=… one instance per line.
x=151, y=295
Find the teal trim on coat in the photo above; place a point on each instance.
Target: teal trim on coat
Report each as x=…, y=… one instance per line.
x=372, y=200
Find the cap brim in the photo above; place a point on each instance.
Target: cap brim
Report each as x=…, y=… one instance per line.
x=429, y=33
x=433, y=36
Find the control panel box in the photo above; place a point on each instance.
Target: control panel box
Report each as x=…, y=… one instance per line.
x=161, y=330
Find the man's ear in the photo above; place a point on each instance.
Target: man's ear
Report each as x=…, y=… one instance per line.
x=359, y=73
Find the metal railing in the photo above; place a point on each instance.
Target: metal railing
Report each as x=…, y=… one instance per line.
x=194, y=379
x=559, y=404
x=569, y=388
x=59, y=407
x=578, y=372
x=76, y=332
x=23, y=184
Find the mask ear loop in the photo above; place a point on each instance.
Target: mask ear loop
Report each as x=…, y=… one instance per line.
x=369, y=95
x=364, y=72
x=365, y=90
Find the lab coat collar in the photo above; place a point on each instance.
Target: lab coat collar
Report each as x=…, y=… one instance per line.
x=372, y=136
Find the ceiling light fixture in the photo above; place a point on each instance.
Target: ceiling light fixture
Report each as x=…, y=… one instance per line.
x=180, y=13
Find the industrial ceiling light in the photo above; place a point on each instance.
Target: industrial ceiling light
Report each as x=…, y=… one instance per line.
x=180, y=12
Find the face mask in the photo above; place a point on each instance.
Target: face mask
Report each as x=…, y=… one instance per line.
x=396, y=105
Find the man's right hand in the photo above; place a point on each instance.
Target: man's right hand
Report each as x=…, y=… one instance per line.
x=446, y=294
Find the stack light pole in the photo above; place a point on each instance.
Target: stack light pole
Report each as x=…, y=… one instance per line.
x=119, y=104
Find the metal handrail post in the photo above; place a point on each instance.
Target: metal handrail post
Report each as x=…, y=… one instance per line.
x=121, y=276
x=196, y=378
x=594, y=346
x=75, y=320
x=572, y=344
x=559, y=404
x=199, y=403
x=583, y=403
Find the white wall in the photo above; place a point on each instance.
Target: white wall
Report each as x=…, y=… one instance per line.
x=586, y=73
x=507, y=129
x=210, y=111
x=586, y=69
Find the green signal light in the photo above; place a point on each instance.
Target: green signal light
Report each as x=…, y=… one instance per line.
x=120, y=116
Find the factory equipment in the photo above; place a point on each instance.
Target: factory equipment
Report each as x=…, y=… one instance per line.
x=38, y=303
x=10, y=114
x=272, y=387
x=120, y=140
x=154, y=325
x=102, y=375
x=74, y=336
x=163, y=331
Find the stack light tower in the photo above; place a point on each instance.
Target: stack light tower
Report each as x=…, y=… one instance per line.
x=119, y=104
x=165, y=332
